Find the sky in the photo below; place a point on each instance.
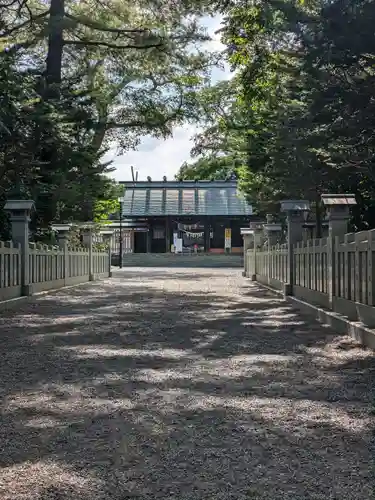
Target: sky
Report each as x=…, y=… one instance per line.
x=154, y=157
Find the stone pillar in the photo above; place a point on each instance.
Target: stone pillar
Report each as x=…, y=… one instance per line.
x=295, y=210
x=309, y=230
x=107, y=238
x=338, y=215
x=62, y=240
x=248, y=241
x=88, y=242
x=258, y=236
x=19, y=212
x=62, y=234
x=273, y=233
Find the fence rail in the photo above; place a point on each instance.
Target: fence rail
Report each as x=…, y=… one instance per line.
x=10, y=270
x=45, y=264
x=310, y=265
x=336, y=273
x=47, y=267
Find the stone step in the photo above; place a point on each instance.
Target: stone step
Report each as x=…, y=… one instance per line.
x=172, y=260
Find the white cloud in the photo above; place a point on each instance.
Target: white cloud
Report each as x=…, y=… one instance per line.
x=156, y=158
x=164, y=158
x=213, y=24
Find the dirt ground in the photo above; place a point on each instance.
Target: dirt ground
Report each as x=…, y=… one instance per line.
x=181, y=384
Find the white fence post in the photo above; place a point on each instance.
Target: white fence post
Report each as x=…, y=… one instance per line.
x=107, y=238
x=62, y=240
x=371, y=268
x=258, y=232
x=88, y=242
x=331, y=267
x=338, y=217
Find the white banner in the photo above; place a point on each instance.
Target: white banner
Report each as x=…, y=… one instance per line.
x=194, y=235
x=179, y=245
x=188, y=227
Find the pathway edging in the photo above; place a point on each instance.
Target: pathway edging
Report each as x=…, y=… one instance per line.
x=355, y=329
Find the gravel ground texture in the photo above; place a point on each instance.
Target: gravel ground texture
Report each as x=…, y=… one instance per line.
x=180, y=384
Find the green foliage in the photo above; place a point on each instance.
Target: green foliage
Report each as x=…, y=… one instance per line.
x=107, y=204
x=77, y=78
x=299, y=114
x=207, y=168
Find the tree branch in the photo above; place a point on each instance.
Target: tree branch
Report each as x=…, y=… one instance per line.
x=149, y=124
x=26, y=23
x=100, y=27
x=90, y=43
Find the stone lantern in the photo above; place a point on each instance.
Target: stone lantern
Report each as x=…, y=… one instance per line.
x=296, y=212
x=62, y=234
x=338, y=212
x=20, y=212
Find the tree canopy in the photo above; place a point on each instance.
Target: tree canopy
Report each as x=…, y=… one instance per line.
x=77, y=78
x=297, y=120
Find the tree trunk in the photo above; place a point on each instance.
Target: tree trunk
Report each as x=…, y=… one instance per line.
x=98, y=137
x=55, y=48
x=47, y=198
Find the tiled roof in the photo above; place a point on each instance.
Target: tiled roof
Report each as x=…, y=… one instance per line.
x=339, y=199
x=143, y=199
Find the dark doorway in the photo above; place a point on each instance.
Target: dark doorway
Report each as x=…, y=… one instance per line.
x=158, y=244
x=237, y=240
x=218, y=235
x=140, y=242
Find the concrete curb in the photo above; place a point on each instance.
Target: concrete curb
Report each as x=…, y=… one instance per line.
x=357, y=330
x=6, y=305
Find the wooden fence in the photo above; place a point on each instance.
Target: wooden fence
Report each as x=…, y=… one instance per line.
x=334, y=273
x=10, y=270
x=270, y=266
x=47, y=267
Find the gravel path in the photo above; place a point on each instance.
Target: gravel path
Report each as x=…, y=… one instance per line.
x=180, y=384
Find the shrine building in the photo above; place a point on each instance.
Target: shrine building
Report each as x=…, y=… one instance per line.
x=183, y=217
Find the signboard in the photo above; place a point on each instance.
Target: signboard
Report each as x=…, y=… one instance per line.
x=174, y=244
x=228, y=238
x=175, y=238
x=179, y=245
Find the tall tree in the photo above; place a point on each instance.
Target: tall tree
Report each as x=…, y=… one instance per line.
x=104, y=72
x=305, y=99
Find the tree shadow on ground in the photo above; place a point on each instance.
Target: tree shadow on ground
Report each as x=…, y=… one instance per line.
x=164, y=388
